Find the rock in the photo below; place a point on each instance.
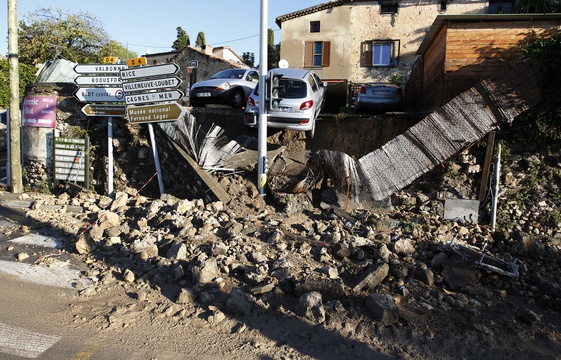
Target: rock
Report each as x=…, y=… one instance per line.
x=383, y=308
x=458, y=273
x=331, y=272
x=184, y=206
x=108, y=220
x=85, y=244
x=424, y=275
x=206, y=272
x=121, y=199
x=262, y=289
x=185, y=296
x=372, y=277
x=329, y=290
x=341, y=250
x=404, y=246
x=239, y=302
x=177, y=251
x=528, y=317
x=310, y=307
x=22, y=256
x=128, y=275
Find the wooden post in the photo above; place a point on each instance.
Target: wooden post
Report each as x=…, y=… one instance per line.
x=487, y=165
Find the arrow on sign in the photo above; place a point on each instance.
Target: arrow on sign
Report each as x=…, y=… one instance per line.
x=152, y=97
x=98, y=80
x=162, y=83
x=107, y=94
x=155, y=113
x=99, y=68
x=104, y=110
x=147, y=71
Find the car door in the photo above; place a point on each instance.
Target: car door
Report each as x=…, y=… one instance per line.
x=318, y=92
x=252, y=79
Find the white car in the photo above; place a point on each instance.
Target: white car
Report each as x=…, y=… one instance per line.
x=228, y=87
x=301, y=94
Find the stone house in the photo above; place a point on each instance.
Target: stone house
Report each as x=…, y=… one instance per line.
x=350, y=42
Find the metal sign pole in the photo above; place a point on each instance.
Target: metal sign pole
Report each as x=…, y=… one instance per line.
x=156, y=158
x=110, y=156
x=262, y=164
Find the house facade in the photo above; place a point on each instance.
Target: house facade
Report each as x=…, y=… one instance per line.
x=355, y=41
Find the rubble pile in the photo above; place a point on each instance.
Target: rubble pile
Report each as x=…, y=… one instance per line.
x=386, y=275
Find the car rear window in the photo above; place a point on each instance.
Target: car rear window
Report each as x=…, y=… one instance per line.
x=229, y=74
x=290, y=89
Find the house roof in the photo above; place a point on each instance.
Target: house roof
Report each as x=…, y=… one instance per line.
x=441, y=19
x=310, y=10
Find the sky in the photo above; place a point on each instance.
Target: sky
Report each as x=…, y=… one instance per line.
x=150, y=25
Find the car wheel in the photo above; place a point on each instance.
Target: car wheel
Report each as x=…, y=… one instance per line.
x=310, y=133
x=237, y=100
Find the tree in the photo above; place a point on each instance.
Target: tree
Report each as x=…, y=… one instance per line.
x=249, y=58
x=201, y=42
x=273, y=51
x=26, y=76
x=537, y=6
x=113, y=48
x=49, y=33
x=182, y=40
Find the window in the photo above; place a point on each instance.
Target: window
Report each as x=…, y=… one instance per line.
x=443, y=5
x=316, y=53
x=388, y=7
x=314, y=26
x=380, y=53
x=501, y=7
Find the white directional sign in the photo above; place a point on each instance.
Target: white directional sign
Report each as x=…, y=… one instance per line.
x=98, y=80
x=170, y=82
x=155, y=113
x=152, y=97
x=99, y=68
x=99, y=94
x=148, y=71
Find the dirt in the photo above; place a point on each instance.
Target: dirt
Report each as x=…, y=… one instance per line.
x=497, y=317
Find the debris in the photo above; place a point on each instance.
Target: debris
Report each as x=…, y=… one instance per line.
x=483, y=259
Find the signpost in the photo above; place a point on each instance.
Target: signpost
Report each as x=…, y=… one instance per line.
x=99, y=68
x=153, y=113
x=137, y=62
x=149, y=71
x=152, y=84
x=72, y=159
x=98, y=80
x=152, y=97
x=104, y=110
x=100, y=94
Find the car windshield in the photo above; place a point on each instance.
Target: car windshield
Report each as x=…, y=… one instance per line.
x=290, y=89
x=229, y=74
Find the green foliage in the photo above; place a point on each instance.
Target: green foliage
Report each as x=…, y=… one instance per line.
x=182, y=40
x=395, y=79
x=26, y=76
x=113, y=48
x=536, y=6
x=249, y=58
x=551, y=219
x=201, y=42
x=48, y=33
x=545, y=52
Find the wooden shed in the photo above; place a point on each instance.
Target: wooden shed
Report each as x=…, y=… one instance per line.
x=460, y=50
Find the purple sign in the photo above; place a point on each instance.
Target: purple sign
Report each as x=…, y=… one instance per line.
x=39, y=111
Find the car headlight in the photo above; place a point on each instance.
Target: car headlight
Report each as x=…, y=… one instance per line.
x=223, y=86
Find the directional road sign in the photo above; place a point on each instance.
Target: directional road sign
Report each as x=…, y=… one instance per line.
x=99, y=68
x=152, y=97
x=98, y=80
x=104, y=110
x=155, y=113
x=97, y=95
x=137, y=62
x=148, y=71
x=162, y=83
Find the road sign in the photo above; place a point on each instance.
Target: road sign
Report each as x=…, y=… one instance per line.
x=110, y=59
x=98, y=80
x=152, y=97
x=169, y=82
x=97, y=95
x=193, y=64
x=99, y=68
x=137, y=62
x=71, y=160
x=155, y=113
x=104, y=110
x=148, y=71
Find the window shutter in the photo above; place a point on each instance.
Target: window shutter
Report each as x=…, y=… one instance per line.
x=308, y=53
x=326, y=53
x=366, y=53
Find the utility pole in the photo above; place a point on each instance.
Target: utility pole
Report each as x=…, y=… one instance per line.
x=263, y=162
x=15, y=115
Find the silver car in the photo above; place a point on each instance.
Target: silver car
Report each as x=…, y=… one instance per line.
x=302, y=99
x=379, y=98
x=228, y=87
